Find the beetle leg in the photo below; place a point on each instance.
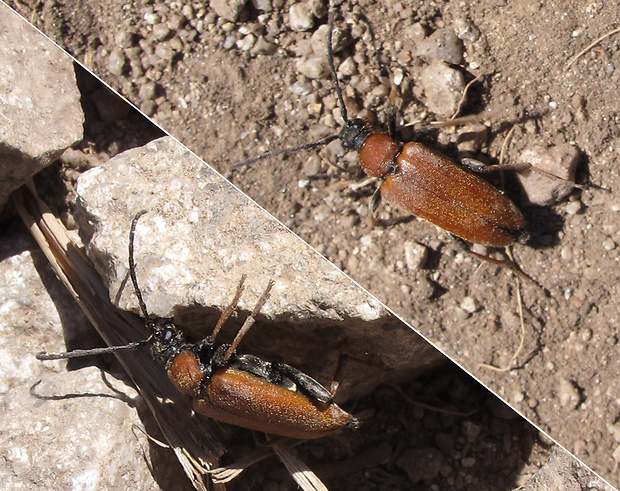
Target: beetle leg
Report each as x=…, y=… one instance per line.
x=461, y=243
x=342, y=361
x=479, y=167
x=375, y=200
x=392, y=121
x=504, y=263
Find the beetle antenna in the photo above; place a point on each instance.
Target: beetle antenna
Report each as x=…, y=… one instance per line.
x=79, y=353
x=284, y=151
x=330, y=60
x=230, y=309
x=343, y=108
x=249, y=322
x=132, y=264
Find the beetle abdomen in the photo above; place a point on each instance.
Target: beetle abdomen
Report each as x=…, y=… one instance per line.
x=433, y=187
x=242, y=399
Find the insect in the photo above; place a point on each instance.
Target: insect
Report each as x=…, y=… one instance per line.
x=422, y=180
x=241, y=390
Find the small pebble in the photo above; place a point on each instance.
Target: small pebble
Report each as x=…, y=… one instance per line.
x=560, y=161
x=264, y=47
x=124, y=39
x=152, y=18
x=609, y=245
x=315, y=109
x=315, y=67
x=415, y=255
x=164, y=52
x=160, y=32
x=443, y=45
x=479, y=249
x=311, y=166
x=566, y=253
x=116, y=61
x=443, y=88
x=264, y=5
x=568, y=394
x=147, y=91
x=573, y=207
x=468, y=304
x=348, y=67
x=300, y=17
x=246, y=43
x=175, y=22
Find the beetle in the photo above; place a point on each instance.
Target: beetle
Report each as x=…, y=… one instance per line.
x=422, y=180
x=238, y=389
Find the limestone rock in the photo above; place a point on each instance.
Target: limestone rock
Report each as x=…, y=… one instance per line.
x=40, y=106
x=201, y=235
x=563, y=471
x=560, y=161
x=51, y=437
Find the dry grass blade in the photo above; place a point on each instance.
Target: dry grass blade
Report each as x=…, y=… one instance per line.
x=464, y=96
x=304, y=477
x=589, y=47
x=231, y=471
x=195, y=447
x=513, y=359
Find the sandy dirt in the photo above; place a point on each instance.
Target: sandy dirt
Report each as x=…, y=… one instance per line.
x=227, y=104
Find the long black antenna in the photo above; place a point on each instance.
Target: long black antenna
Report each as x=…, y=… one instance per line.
x=284, y=151
x=330, y=60
x=132, y=265
x=78, y=353
x=343, y=109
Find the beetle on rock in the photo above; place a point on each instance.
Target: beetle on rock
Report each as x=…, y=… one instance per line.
x=241, y=390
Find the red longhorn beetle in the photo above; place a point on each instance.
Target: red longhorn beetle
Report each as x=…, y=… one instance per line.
x=242, y=390
x=422, y=180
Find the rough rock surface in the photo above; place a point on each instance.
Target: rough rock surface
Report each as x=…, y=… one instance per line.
x=38, y=94
x=560, y=161
x=58, y=439
x=197, y=240
x=565, y=472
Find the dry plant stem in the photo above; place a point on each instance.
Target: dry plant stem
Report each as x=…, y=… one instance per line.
x=470, y=118
x=589, y=47
x=194, y=446
x=502, y=155
x=509, y=365
x=507, y=140
x=304, y=477
x=428, y=406
x=231, y=471
x=157, y=442
x=226, y=474
x=464, y=96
